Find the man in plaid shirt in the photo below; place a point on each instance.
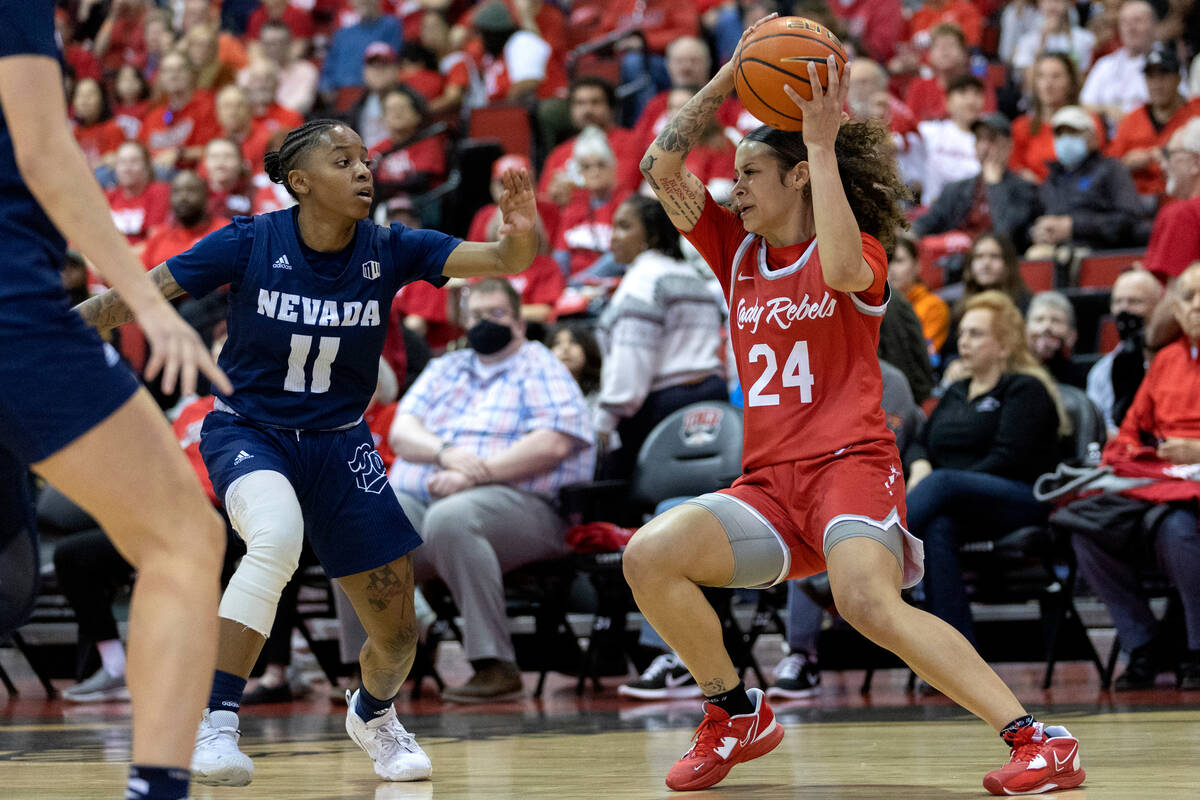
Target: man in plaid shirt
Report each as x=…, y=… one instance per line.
x=484, y=439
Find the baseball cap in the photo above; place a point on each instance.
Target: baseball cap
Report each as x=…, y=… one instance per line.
x=380, y=51
x=1163, y=57
x=1072, y=117
x=510, y=161
x=995, y=122
x=493, y=16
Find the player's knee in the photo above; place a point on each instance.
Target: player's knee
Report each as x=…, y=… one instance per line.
x=397, y=644
x=868, y=610
x=645, y=557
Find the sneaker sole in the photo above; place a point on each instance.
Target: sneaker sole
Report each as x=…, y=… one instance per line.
x=224, y=777
x=676, y=693
x=793, y=694
x=1068, y=780
x=769, y=741
x=107, y=696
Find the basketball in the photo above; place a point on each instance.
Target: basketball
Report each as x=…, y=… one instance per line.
x=779, y=53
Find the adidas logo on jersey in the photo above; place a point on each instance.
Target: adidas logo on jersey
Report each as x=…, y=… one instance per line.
x=241, y=456
x=282, y=263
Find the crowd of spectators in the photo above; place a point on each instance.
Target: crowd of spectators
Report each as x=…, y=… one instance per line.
x=1025, y=130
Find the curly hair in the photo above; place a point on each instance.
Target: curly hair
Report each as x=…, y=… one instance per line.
x=869, y=176
x=1008, y=327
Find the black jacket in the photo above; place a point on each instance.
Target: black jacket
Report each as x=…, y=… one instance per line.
x=1101, y=200
x=1012, y=203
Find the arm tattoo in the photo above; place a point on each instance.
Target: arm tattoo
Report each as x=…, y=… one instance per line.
x=108, y=310
x=685, y=128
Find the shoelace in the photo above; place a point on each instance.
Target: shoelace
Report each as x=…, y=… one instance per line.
x=707, y=737
x=790, y=667
x=213, y=733
x=393, y=733
x=1025, y=751
x=661, y=664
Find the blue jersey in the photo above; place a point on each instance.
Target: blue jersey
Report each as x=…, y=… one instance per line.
x=304, y=338
x=26, y=28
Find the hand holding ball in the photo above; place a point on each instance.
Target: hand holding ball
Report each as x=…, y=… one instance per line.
x=777, y=53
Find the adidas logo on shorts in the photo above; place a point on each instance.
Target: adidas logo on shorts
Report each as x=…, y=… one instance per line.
x=241, y=456
x=282, y=263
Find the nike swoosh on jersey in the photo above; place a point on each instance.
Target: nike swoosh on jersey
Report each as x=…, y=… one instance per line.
x=745, y=277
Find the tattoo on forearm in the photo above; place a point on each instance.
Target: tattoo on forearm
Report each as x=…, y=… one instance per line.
x=713, y=687
x=109, y=310
x=383, y=587
x=685, y=128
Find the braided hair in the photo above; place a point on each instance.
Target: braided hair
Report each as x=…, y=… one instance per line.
x=296, y=144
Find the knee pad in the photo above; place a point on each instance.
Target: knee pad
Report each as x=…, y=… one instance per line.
x=265, y=512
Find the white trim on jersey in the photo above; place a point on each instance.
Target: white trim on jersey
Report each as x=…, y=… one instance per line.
x=914, y=548
x=867, y=308
x=787, y=553
x=783, y=272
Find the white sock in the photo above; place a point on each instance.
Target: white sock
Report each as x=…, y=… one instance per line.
x=112, y=657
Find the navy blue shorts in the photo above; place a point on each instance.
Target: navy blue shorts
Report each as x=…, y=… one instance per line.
x=352, y=518
x=58, y=379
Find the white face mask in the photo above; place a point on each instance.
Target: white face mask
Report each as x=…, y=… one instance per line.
x=1070, y=150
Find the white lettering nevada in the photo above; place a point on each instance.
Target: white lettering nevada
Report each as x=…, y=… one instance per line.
x=322, y=313
x=783, y=311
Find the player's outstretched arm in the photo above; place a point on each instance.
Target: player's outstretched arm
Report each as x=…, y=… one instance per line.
x=681, y=192
x=108, y=310
x=53, y=167
x=518, y=235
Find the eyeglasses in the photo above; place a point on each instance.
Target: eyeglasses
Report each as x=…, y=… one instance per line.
x=495, y=314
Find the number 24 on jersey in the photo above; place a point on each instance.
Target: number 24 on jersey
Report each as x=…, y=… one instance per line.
x=796, y=374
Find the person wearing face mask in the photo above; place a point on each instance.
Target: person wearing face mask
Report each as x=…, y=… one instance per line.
x=1114, y=379
x=484, y=439
x=1088, y=199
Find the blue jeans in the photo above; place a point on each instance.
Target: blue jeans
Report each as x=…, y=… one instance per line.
x=1115, y=580
x=644, y=75
x=953, y=506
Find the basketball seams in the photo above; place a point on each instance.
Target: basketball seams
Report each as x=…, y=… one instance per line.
x=836, y=50
x=777, y=56
x=759, y=97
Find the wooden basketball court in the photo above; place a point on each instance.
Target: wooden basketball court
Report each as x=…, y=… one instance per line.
x=889, y=745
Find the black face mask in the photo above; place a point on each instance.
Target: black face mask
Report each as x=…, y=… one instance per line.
x=487, y=337
x=1129, y=326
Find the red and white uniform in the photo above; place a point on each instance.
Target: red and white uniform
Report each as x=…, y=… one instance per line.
x=817, y=449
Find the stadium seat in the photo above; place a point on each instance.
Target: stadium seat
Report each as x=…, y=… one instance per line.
x=1102, y=269
x=1107, y=338
x=1038, y=275
x=508, y=124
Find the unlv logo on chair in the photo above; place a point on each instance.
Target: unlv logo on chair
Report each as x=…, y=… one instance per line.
x=701, y=426
x=371, y=270
x=367, y=467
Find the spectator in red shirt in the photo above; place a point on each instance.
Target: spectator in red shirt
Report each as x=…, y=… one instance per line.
x=229, y=188
x=121, y=38
x=297, y=21
x=97, y=133
x=190, y=221
x=1143, y=132
x=876, y=25
x=177, y=129
x=405, y=162
x=935, y=13
x=233, y=115
x=138, y=203
x=296, y=77
x=585, y=230
x=419, y=70
x=260, y=81
x=1175, y=240
x=948, y=58
x=592, y=102
x=131, y=100
x=1056, y=85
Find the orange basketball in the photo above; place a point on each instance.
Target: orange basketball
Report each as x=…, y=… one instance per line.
x=779, y=53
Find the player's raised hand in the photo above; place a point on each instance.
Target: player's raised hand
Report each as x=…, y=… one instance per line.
x=177, y=351
x=518, y=204
x=825, y=113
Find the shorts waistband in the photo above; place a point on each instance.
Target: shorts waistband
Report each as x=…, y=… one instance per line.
x=221, y=405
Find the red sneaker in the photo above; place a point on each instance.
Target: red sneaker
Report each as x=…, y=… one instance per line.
x=722, y=741
x=1043, y=760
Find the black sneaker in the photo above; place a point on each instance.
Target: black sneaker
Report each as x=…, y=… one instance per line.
x=1142, y=671
x=665, y=679
x=1189, y=673
x=796, y=676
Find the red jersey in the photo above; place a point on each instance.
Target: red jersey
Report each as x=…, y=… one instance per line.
x=427, y=156
x=806, y=354
x=97, y=141
x=586, y=231
x=191, y=126
x=171, y=240
x=134, y=215
x=187, y=430
x=1175, y=240
x=379, y=420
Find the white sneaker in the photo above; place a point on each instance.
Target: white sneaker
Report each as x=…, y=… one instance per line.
x=216, y=760
x=100, y=687
x=396, y=754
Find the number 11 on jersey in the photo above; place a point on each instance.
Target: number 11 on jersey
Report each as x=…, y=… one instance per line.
x=327, y=349
x=795, y=374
